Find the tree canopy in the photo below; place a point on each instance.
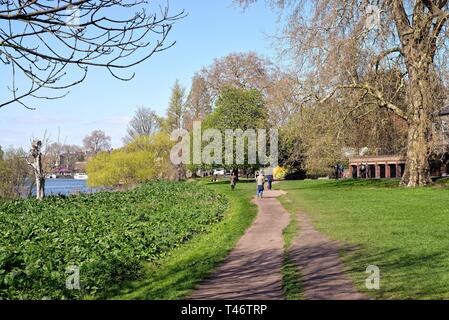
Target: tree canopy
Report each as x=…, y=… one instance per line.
x=145, y=158
x=238, y=108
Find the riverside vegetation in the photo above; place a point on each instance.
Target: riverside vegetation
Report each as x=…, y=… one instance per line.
x=108, y=236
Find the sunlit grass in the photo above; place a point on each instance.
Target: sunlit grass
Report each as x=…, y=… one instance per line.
x=405, y=232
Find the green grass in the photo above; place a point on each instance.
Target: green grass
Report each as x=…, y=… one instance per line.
x=291, y=277
x=405, y=232
x=177, y=275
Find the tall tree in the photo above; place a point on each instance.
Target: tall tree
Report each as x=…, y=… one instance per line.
x=52, y=44
x=176, y=108
x=144, y=123
x=238, y=108
x=249, y=70
x=240, y=70
x=336, y=44
x=97, y=141
x=199, y=101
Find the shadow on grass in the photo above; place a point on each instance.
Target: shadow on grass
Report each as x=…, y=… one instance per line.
x=403, y=274
x=227, y=182
x=336, y=184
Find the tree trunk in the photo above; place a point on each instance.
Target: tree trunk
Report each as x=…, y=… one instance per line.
x=40, y=188
x=417, y=170
x=39, y=174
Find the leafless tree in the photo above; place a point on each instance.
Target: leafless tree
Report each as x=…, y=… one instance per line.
x=97, y=141
x=144, y=123
x=243, y=70
x=52, y=44
x=251, y=71
x=340, y=46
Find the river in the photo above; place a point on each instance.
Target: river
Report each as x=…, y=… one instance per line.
x=67, y=187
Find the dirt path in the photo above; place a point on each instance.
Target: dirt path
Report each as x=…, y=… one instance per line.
x=321, y=268
x=253, y=269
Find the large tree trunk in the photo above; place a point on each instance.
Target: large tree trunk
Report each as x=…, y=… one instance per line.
x=417, y=172
x=417, y=161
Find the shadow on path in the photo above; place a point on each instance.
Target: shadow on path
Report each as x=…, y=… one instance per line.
x=253, y=269
x=319, y=263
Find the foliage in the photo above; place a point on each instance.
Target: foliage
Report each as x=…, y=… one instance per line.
x=238, y=108
x=107, y=235
x=175, y=276
x=144, y=159
x=279, y=172
x=176, y=109
x=16, y=177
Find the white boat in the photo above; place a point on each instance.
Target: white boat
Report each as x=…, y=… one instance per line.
x=51, y=176
x=80, y=176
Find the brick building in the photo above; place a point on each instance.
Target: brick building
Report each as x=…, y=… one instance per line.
x=393, y=166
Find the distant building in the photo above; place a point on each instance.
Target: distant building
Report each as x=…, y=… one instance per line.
x=376, y=167
x=393, y=166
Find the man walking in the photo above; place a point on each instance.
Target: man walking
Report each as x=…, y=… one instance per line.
x=270, y=178
x=233, y=180
x=260, y=184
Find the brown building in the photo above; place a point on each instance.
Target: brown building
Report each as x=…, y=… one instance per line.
x=376, y=167
x=393, y=166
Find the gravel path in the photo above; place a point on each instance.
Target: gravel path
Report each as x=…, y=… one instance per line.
x=253, y=269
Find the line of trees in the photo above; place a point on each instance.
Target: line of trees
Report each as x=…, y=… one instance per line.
x=359, y=77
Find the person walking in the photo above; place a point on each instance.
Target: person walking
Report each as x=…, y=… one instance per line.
x=233, y=180
x=260, y=184
x=270, y=178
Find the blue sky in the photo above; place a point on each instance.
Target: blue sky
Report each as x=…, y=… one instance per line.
x=212, y=29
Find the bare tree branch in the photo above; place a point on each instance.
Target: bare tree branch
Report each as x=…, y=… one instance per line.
x=52, y=45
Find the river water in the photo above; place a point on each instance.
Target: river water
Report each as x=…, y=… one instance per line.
x=67, y=187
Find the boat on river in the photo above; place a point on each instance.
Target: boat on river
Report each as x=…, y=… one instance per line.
x=80, y=176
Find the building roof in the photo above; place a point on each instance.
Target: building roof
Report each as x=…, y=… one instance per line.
x=377, y=159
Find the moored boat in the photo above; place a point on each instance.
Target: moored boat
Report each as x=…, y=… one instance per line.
x=80, y=176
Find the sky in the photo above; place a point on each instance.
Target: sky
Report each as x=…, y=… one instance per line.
x=212, y=29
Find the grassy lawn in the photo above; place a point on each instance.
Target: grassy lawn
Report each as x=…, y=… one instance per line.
x=405, y=232
x=291, y=278
x=175, y=276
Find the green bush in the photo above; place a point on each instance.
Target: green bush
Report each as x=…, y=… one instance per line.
x=107, y=235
